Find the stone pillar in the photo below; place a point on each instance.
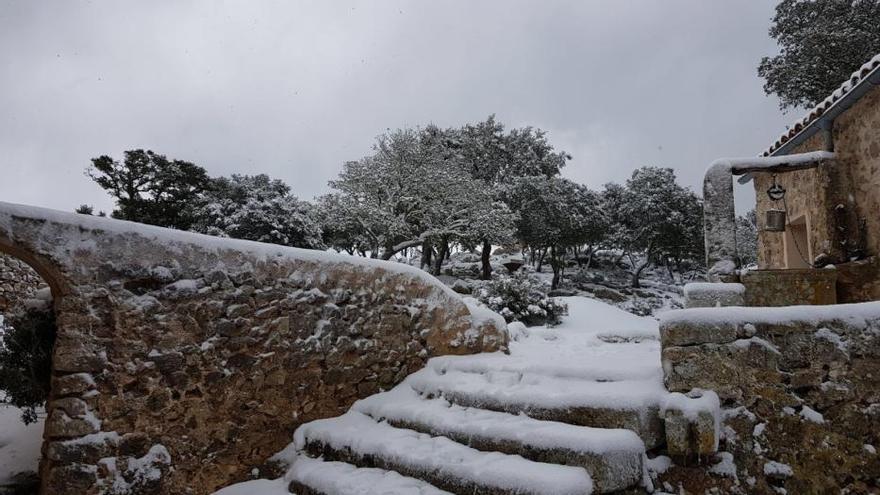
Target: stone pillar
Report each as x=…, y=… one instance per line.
x=719, y=222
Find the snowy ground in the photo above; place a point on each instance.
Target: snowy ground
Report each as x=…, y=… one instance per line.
x=580, y=347
x=596, y=342
x=19, y=443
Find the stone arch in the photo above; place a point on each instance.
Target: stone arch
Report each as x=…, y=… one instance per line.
x=175, y=348
x=44, y=268
x=45, y=272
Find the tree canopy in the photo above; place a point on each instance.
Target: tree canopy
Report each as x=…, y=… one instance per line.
x=150, y=188
x=821, y=43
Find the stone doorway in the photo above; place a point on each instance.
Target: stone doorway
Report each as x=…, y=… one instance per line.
x=798, y=254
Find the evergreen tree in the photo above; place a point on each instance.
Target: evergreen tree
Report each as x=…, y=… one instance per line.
x=26, y=344
x=747, y=238
x=655, y=218
x=498, y=159
x=257, y=208
x=408, y=193
x=556, y=215
x=150, y=188
x=821, y=43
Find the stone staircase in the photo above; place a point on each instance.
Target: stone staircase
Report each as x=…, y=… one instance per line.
x=495, y=432
x=572, y=410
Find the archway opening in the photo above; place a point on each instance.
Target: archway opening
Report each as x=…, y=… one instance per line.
x=27, y=336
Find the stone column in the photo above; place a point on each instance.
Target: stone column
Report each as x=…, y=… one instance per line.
x=719, y=222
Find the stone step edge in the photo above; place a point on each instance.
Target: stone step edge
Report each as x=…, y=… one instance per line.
x=310, y=476
x=647, y=424
x=348, y=446
x=614, y=467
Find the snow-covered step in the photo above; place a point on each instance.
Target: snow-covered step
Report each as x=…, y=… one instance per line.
x=357, y=439
x=612, y=457
x=630, y=404
x=310, y=476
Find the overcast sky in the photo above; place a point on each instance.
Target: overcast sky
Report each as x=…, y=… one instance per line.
x=293, y=89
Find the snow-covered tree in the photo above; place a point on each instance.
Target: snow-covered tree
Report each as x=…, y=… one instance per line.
x=257, y=208
x=150, y=188
x=522, y=297
x=821, y=43
x=747, y=238
x=555, y=215
x=410, y=193
x=498, y=158
x=655, y=218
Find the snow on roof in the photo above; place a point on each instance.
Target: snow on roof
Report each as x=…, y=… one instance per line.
x=857, y=77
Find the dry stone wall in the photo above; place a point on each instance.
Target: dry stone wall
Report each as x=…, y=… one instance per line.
x=183, y=362
x=18, y=281
x=801, y=392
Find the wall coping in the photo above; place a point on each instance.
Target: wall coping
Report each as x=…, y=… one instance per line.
x=78, y=224
x=855, y=312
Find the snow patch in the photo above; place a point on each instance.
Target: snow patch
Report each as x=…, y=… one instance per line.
x=812, y=415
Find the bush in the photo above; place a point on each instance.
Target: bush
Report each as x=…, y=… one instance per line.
x=522, y=297
x=26, y=360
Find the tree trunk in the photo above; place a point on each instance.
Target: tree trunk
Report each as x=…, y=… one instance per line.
x=637, y=272
x=427, y=251
x=442, y=250
x=484, y=258
x=669, y=270
x=590, y=253
x=541, y=260
x=556, y=265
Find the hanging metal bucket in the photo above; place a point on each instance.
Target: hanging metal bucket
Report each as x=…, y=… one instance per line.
x=775, y=221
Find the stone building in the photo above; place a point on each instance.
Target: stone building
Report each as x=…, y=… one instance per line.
x=826, y=248
x=800, y=399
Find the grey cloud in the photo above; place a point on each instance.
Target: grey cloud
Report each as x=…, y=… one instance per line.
x=293, y=89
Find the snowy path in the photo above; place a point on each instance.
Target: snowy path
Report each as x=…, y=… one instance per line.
x=596, y=341
x=599, y=357
x=19, y=443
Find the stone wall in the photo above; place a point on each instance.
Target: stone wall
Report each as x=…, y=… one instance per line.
x=184, y=361
x=789, y=287
x=840, y=199
x=17, y=281
x=800, y=390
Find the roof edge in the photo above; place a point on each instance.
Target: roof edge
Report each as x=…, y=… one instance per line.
x=859, y=83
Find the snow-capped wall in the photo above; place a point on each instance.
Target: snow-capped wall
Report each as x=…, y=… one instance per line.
x=799, y=386
x=184, y=361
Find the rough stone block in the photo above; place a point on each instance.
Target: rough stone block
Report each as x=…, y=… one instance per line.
x=692, y=424
x=790, y=287
x=732, y=370
x=73, y=357
x=86, y=450
x=60, y=425
x=75, y=384
x=710, y=295
x=681, y=331
x=71, y=478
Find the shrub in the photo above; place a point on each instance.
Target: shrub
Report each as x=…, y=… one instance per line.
x=26, y=360
x=522, y=297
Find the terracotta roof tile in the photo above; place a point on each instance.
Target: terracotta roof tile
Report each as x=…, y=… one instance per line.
x=827, y=103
